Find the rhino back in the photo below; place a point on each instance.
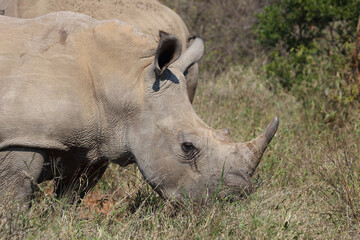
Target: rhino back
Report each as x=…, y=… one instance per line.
x=46, y=99
x=149, y=16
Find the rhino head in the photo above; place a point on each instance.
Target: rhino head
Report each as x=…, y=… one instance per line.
x=177, y=153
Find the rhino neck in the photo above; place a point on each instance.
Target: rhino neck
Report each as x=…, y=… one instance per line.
x=118, y=106
x=119, y=99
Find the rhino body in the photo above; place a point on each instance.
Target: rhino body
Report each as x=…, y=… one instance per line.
x=149, y=16
x=79, y=93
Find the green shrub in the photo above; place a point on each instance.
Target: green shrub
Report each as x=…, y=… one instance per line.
x=300, y=65
x=293, y=23
x=310, y=44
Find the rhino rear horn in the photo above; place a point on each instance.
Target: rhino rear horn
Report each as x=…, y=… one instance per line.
x=168, y=51
x=192, y=55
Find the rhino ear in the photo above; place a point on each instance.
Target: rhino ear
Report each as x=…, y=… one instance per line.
x=192, y=55
x=168, y=51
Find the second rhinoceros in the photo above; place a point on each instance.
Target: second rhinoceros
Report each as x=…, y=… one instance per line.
x=78, y=93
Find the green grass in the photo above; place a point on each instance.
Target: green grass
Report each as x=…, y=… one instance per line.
x=308, y=183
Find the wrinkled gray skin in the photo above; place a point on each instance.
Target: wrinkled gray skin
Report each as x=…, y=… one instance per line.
x=78, y=93
x=149, y=16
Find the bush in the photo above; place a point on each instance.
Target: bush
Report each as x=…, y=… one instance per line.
x=293, y=23
x=310, y=45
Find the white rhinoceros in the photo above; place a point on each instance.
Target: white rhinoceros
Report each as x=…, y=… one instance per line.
x=149, y=16
x=78, y=93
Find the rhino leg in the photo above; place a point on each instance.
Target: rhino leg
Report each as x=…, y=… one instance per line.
x=20, y=169
x=77, y=185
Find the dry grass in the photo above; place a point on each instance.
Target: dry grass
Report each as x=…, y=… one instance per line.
x=307, y=183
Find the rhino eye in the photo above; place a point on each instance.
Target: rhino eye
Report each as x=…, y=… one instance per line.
x=189, y=152
x=188, y=147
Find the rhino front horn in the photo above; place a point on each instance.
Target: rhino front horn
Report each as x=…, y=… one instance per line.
x=255, y=148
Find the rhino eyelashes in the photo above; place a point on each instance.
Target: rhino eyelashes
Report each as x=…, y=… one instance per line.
x=190, y=154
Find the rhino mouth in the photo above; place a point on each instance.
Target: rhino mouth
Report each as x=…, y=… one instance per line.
x=239, y=174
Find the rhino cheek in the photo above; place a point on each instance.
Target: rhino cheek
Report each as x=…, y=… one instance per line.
x=159, y=167
x=189, y=185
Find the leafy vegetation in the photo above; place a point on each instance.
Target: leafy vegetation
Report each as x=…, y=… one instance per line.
x=307, y=184
x=293, y=23
x=311, y=44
